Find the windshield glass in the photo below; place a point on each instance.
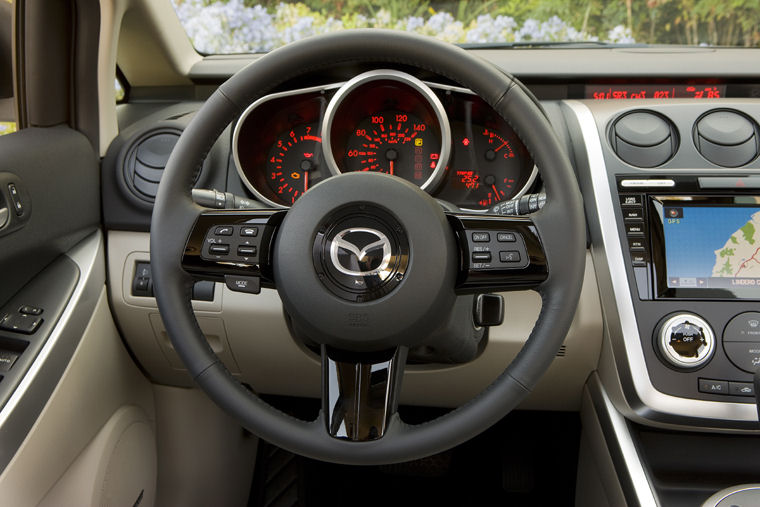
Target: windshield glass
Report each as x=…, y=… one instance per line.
x=249, y=26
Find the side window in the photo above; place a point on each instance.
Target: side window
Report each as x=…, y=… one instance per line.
x=7, y=104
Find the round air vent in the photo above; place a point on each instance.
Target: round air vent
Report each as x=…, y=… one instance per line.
x=644, y=139
x=145, y=162
x=726, y=138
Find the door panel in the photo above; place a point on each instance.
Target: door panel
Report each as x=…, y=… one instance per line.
x=55, y=174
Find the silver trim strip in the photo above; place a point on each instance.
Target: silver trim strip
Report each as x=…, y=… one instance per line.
x=619, y=428
x=652, y=399
x=20, y=412
x=402, y=77
x=646, y=183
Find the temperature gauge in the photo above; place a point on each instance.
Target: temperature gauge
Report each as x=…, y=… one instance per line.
x=488, y=166
x=293, y=163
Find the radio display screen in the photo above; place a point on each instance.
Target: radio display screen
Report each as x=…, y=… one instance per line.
x=654, y=91
x=712, y=247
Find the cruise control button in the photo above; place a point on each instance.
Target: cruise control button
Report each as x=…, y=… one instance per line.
x=249, y=231
x=223, y=230
x=741, y=388
x=713, y=386
x=219, y=249
x=481, y=237
x=506, y=237
x=481, y=257
x=247, y=284
x=509, y=256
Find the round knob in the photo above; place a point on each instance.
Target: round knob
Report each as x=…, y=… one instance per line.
x=686, y=340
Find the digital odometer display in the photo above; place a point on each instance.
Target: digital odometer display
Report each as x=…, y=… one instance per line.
x=654, y=91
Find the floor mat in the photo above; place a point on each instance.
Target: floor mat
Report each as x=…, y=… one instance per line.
x=527, y=459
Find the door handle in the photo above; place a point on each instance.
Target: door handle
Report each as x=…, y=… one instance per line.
x=4, y=214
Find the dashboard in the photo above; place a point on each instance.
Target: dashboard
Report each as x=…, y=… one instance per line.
x=444, y=139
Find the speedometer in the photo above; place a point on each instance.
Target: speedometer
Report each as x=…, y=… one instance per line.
x=394, y=142
x=391, y=122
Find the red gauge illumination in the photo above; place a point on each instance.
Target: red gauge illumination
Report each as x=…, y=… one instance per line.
x=293, y=162
x=396, y=143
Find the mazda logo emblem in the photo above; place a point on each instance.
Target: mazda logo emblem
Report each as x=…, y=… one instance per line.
x=361, y=251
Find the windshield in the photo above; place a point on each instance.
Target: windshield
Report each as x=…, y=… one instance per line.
x=248, y=26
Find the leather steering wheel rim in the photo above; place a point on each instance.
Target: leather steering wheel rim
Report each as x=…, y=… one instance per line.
x=560, y=224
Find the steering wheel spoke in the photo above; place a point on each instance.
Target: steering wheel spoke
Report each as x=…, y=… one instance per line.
x=360, y=393
x=498, y=253
x=234, y=246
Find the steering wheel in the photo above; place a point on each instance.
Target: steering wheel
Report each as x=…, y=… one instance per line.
x=427, y=260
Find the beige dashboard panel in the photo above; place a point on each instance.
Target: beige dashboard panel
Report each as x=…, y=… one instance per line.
x=259, y=346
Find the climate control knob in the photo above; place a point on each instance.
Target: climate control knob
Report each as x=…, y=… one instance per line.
x=686, y=340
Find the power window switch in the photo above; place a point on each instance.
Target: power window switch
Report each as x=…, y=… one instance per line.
x=30, y=310
x=7, y=360
x=20, y=323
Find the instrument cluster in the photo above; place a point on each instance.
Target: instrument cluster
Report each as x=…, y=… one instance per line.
x=444, y=139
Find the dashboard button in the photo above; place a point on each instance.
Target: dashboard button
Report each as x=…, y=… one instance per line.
x=741, y=388
x=637, y=244
x=745, y=327
x=745, y=355
x=633, y=213
x=481, y=237
x=631, y=200
x=713, y=386
x=634, y=229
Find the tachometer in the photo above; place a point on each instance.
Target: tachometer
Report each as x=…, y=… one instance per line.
x=394, y=142
x=293, y=162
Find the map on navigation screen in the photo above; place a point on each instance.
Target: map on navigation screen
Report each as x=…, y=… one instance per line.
x=712, y=247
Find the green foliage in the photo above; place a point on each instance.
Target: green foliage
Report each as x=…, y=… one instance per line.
x=727, y=251
x=749, y=232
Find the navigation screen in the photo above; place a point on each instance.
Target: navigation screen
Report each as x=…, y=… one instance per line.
x=712, y=247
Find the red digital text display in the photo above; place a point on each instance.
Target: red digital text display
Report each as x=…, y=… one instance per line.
x=655, y=91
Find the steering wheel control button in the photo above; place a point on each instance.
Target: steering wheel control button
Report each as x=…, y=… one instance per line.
x=492, y=255
x=686, y=341
x=713, y=386
x=361, y=253
x=249, y=232
x=223, y=230
x=246, y=251
x=481, y=257
x=219, y=249
x=247, y=284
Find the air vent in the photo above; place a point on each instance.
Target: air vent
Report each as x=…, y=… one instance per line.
x=644, y=139
x=726, y=138
x=145, y=162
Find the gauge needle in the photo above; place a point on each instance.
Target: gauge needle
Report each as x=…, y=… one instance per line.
x=496, y=193
x=305, y=181
x=391, y=166
x=500, y=146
